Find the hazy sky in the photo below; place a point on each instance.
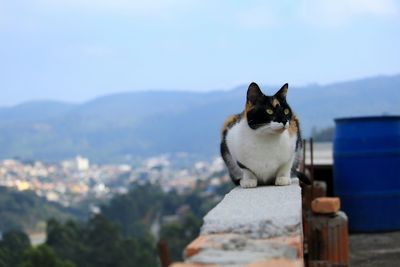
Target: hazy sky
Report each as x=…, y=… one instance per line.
x=74, y=50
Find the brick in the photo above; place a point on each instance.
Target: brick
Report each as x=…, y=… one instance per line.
x=217, y=241
x=207, y=241
x=182, y=264
x=277, y=263
x=293, y=241
x=196, y=245
x=325, y=205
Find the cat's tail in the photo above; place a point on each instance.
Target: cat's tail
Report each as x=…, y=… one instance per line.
x=297, y=159
x=303, y=177
x=234, y=171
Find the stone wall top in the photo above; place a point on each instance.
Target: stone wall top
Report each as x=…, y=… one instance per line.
x=251, y=227
x=261, y=212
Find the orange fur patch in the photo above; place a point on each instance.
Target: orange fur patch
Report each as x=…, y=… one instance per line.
x=229, y=122
x=284, y=93
x=275, y=102
x=248, y=107
x=294, y=126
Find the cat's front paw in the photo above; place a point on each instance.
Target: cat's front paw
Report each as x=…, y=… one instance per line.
x=283, y=180
x=248, y=183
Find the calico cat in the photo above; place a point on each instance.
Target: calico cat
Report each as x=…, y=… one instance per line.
x=261, y=144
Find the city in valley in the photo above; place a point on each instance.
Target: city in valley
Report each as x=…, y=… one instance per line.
x=73, y=181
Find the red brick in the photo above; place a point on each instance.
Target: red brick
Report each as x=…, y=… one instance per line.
x=277, y=263
x=293, y=241
x=325, y=205
x=201, y=242
x=196, y=245
x=182, y=264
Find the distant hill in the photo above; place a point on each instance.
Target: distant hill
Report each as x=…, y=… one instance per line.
x=137, y=124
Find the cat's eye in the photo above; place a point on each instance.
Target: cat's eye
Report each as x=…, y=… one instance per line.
x=286, y=111
x=270, y=111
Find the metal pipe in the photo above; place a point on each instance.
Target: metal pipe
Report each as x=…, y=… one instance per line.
x=312, y=159
x=163, y=253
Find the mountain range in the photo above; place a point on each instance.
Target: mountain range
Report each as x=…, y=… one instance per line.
x=114, y=128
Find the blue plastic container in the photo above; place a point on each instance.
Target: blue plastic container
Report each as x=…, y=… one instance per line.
x=366, y=172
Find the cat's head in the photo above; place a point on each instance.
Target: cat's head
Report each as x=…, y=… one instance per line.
x=267, y=113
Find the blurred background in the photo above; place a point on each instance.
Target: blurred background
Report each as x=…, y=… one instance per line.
x=110, y=111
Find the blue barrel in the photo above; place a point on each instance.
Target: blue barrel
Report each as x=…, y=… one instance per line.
x=366, y=171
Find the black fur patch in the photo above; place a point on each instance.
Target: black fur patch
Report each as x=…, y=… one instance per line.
x=227, y=157
x=258, y=104
x=242, y=166
x=303, y=178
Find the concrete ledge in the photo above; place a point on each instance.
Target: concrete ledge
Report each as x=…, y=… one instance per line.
x=251, y=227
x=261, y=212
x=268, y=263
x=239, y=250
x=277, y=263
x=292, y=245
x=181, y=264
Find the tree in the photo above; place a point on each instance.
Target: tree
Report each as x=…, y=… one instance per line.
x=43, y=256
x=179, y=235
x=134, y=211
x=108, y=248
x=68, y=240
x=99, y=243
x=12, y=248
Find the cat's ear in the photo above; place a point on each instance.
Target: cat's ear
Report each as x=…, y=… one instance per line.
x=253, y=93
x=282, y=92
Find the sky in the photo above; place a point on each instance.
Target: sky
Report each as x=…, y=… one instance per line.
x=76, y=50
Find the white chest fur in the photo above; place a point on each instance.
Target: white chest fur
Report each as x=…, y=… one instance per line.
x=262, y=151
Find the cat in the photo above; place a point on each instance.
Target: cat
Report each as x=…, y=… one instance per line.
x=262, y=144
